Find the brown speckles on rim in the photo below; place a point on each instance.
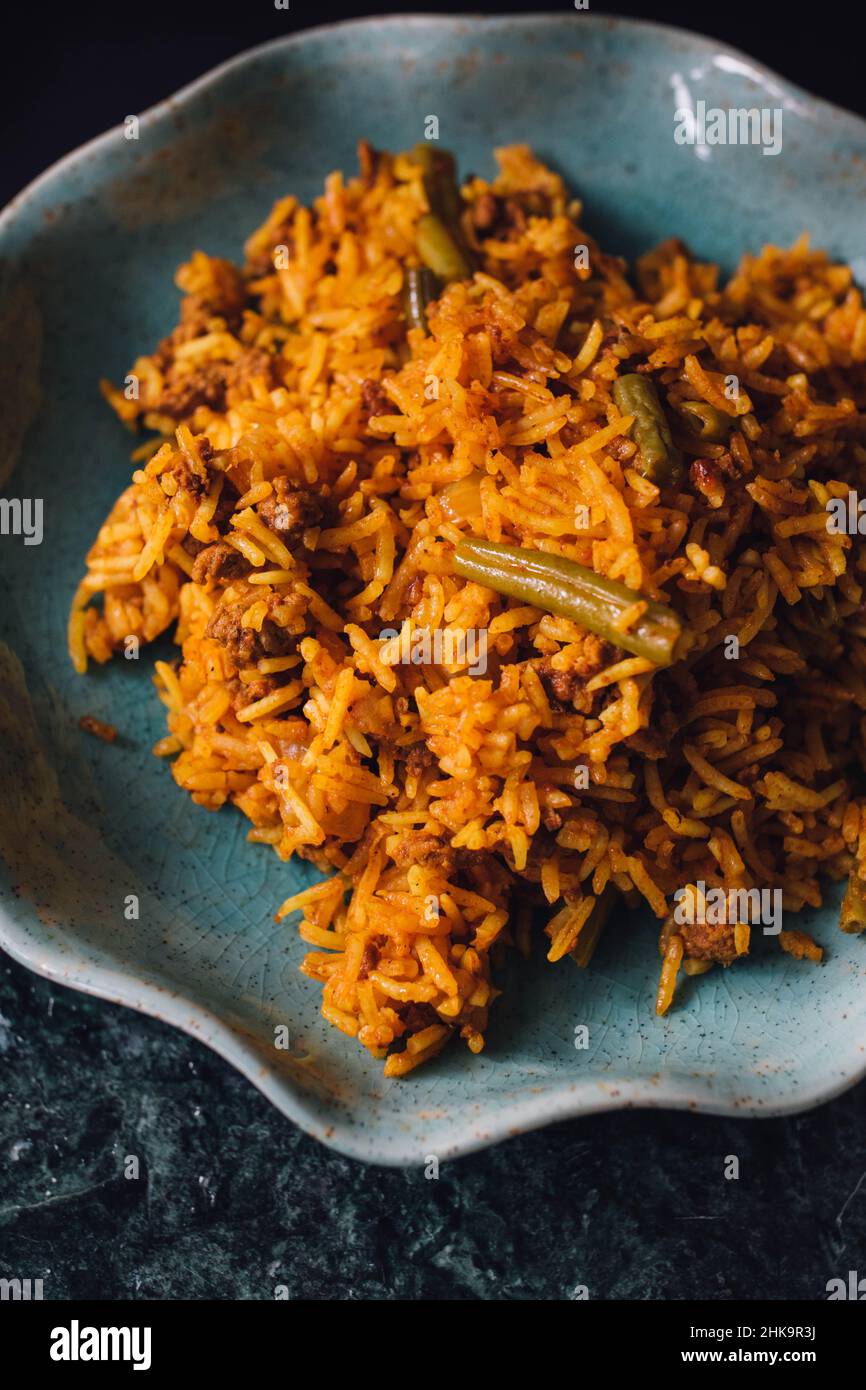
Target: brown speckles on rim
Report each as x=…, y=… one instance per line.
x=181, y=178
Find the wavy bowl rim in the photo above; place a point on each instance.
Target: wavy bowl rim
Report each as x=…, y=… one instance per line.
x=117, y=986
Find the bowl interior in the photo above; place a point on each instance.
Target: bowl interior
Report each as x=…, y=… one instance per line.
x=92, y=834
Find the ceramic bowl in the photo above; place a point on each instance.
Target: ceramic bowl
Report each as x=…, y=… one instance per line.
x=89, y=254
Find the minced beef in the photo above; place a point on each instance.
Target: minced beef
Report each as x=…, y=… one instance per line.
x=369, y=960
x=373, y=399
x=417, y=1016
x=243, y=644
x=501, y=218
x=709, y=941
x=420, y=757
x=219, y=561
x=194, y=321
x=420, y=847
x=254, y=690
x=565, y=686
x=228, y=499
x=290, y=510
x=256, y=362
x=205, y=385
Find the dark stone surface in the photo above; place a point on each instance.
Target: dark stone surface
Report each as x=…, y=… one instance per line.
x=232, y=1200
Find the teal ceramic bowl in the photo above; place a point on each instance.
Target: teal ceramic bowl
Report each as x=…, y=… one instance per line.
x=89, y=252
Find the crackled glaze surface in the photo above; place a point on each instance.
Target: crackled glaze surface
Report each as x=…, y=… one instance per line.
x=90, y=250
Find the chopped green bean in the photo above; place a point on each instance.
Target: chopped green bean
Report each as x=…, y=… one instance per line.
x=660, y=460
x=818, y=614
x=440, y=182
x=706, y=421
x=439, y=250
x=442, y=245
x=420, y=287
x=561, y=586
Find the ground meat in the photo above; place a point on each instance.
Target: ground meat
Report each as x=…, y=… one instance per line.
x=485, y=212
x=220, y=561
x=514, y=218
x=247, y=694
x=706, y=941
x=211, y=383
x=706, y=478
x=420, y=847
x=357, y=862
x=188, y=478
x=648, y=743
x=417, y=1016
x=256, y=362
x=420, y=757
x=225, y=506
x=373, y=399
x=191, y=479
x=499, y=347
x=98, y=728
x=243, y=644
x=204, y=385
x=369, y=960
x=290, y=510
x=194, y=321
x=621, y=448
x=561, y=686
x=565, y=686
x=501, y=218
x=221, y=292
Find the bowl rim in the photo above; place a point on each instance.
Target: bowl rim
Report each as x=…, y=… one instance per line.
x=119, y=986
x=419, y=19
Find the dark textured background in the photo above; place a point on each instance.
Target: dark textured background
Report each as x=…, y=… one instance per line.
x=232, y=1199
x=71, y=71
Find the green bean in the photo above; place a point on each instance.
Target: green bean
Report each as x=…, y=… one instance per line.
x=561, y=586
x=818, y=614
x=440, y=182
x=853, y=918
x=439, y=249
x=706, y=421
x=442, y=245
x=660, y=460
x=420, y=287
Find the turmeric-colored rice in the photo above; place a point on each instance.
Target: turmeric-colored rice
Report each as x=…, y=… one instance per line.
x=315, y=463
